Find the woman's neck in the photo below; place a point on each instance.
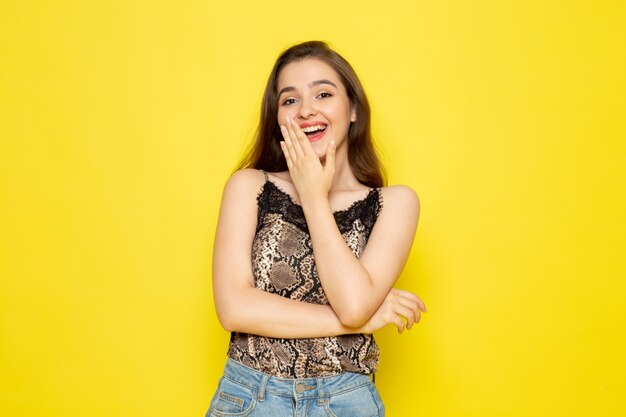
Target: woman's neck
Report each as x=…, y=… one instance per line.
x=344, y=179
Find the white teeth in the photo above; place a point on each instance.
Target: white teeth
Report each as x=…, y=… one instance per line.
x=313, y=128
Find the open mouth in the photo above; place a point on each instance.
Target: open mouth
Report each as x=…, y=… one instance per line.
x=314, y=133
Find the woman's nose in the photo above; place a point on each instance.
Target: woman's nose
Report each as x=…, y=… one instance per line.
x=307, y=109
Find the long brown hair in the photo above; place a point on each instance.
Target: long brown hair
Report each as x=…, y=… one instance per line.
x=265, y=152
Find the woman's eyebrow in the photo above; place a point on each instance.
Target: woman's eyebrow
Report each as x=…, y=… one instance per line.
x=311, y=84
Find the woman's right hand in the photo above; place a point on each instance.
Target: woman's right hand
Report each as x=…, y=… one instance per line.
x=398, y=306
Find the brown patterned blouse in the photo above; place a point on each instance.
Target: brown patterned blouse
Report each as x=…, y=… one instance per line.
x=283, y=263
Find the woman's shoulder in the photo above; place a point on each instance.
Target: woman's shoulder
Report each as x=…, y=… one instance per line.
x=244, y=184
x=400, y=199
x=246, y=178
x=247, y=174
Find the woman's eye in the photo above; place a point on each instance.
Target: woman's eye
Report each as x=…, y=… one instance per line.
x=289, y=101
x=324, y=95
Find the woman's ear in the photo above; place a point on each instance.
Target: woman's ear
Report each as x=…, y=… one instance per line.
x=353, y=113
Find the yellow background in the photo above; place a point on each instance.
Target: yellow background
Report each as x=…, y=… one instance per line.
x=121, y=120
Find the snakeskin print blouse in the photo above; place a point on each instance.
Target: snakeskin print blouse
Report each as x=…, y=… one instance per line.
x=283, y=264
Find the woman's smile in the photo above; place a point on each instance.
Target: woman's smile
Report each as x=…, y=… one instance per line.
x=314, y=131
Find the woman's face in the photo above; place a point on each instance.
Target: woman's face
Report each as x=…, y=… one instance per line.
x=310, y=93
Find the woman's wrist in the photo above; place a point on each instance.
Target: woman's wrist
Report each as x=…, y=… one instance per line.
x=315, y=203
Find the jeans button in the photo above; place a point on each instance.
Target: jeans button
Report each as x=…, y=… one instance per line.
x=300, y=388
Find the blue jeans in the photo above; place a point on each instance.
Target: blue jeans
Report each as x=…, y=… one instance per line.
x=243, y=391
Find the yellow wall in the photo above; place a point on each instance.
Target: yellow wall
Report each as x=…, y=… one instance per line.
x=121, y=120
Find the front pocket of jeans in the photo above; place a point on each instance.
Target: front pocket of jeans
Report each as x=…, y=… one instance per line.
x=232, y=399
x=357, y=402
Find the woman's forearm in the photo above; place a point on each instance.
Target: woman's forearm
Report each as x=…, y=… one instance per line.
x=258, y=312
x=346, y=282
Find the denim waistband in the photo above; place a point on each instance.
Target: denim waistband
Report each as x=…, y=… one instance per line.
x=261, y=382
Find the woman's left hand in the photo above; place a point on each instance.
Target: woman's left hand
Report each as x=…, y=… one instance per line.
x=311, y=180
x=396, y=306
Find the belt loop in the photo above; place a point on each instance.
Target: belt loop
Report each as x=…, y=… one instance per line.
x=320, y=391
x=262, y=387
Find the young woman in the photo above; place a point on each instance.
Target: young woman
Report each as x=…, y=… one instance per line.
x=309, y=244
